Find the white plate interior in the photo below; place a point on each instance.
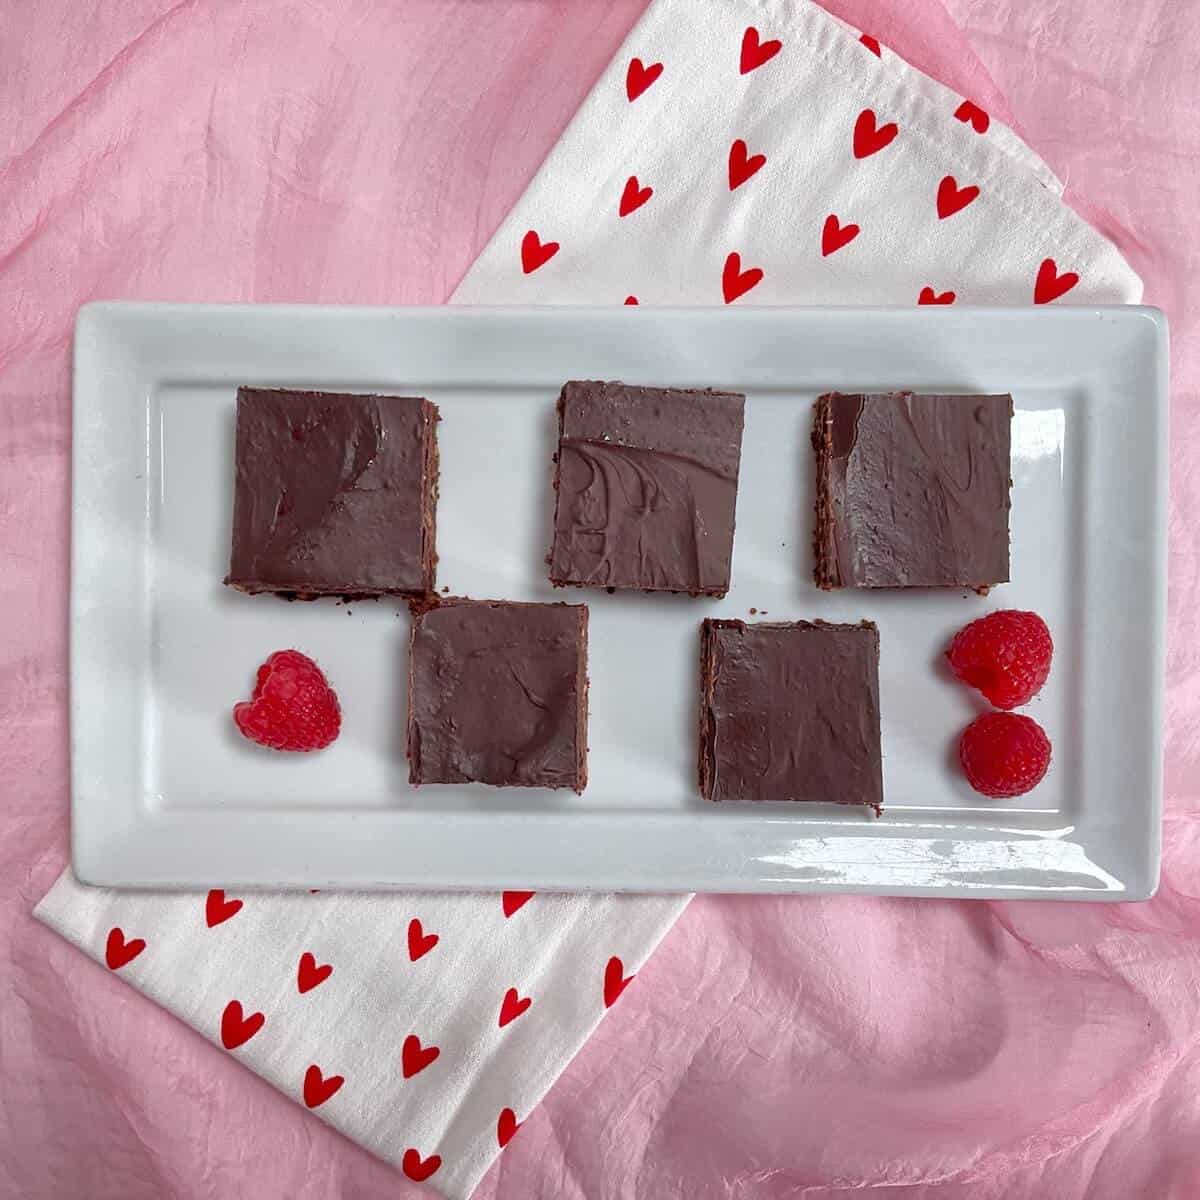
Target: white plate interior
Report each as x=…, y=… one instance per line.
x=177, y=649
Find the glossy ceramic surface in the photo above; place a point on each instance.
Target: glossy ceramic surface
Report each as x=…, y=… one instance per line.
x=166, y=793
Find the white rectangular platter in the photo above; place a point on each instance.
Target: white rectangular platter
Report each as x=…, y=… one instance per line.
x=165, y=793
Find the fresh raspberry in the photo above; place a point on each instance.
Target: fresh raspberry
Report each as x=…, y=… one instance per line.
x=293, y=706
x=1004, y=754
x=1006, y=655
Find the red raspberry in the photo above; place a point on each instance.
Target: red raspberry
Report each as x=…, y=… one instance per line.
x=1006, y=655
x=293, y=706
x=1004, y=754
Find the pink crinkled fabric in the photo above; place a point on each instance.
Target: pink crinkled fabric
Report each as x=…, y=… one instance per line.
x=790, y=1047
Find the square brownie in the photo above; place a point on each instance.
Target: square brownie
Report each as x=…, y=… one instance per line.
x=335, y=494
x=646, y=488
x=912, y=491
x=790, y=712
x=498, y=694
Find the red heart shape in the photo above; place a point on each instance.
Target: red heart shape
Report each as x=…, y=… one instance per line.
x=639, y=77
x=951, y=198
x=754, y=52
x=237, y=1029
x=929, y=296
x=414, y=1058
x=506, y=1127
x=218, y=909
x=835, y=235
x=536, y=253
x=615, y=981
x=513, y=1006
x=633, y=197
x=969, y=111
x=419, y=1169
x=869, y=139
x=742, y=165
x=308, y=974
x=293, y=708
x=870, y=43
x=734, y=281
x=318, y=1089
x=512, y=901
x=419, y=942
x=628, y=300
x=1050, y=284
x=118, y=951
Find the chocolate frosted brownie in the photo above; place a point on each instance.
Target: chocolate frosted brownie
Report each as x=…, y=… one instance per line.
x=498, y=694
x=646, y=487
x=912, y=491
x=335, y=494
x=790, y=712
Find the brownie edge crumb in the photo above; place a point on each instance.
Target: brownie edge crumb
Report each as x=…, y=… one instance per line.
x=825, y=573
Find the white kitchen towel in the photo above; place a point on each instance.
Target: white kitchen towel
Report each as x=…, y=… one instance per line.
x=760, y=151
x=749, y=151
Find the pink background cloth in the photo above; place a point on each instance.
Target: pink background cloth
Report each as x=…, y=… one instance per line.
x=361, y=152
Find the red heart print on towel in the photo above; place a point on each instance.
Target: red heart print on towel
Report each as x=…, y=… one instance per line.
x=536, y=253
x=513, y=1006
x=118, y=952
x=628, y=300
x=734, y=281
x=506, y=1127
x=1050, y=284
x=951, y=198
x=639, y=77
x=742, y=164
x=419, y=942
x=414, y=1057
x=615, y=981
x=217, y=909
x=236, y=1028
x=835, y=235
x=970, y=113
x=754, y=52
x=511, y=901
x=868, y=137
x=870, y=43
x=309, y=974
x=318, y=1089
x=633, y=197
x=929, y=296
x=419, y=1169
